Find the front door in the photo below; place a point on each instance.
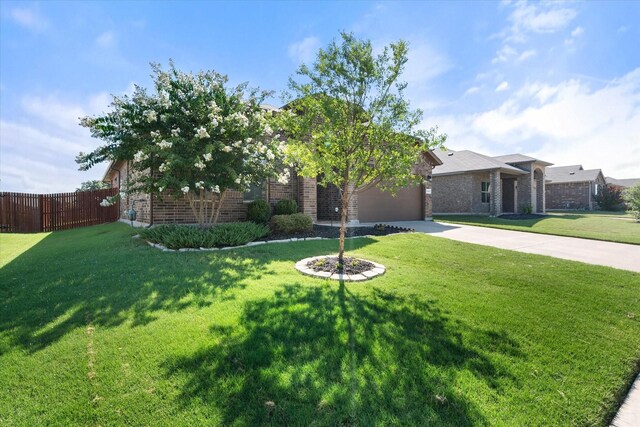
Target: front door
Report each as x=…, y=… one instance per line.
x=508, y=195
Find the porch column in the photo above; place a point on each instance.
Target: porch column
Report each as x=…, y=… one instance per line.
x=307, y=197
x=495, y=205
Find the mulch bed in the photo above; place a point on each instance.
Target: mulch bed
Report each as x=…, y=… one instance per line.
x=329, y=232
x=330, y=265
x=522, y=216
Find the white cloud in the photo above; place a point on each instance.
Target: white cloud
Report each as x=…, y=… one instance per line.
x=526, y=55
x=29, y=18
x=472, y=90
x=38, y=149
x=504, y=54
x=424, y=62
x=566, y=123
x=304, y=50
x=106, y=39
x=538, y=18
x=502, y=86
x=577, y=32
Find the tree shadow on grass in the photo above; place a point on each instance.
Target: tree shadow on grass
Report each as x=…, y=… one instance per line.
x=325, y=356
x=99, y=276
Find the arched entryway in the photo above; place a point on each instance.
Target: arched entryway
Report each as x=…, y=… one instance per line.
x=538, y=185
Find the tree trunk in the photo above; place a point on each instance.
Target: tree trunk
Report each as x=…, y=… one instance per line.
x=343, y=219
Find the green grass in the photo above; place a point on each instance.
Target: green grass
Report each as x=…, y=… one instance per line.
x=97, y=328
x=610, y=226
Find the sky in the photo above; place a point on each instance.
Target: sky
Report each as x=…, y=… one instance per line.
x=559, y=81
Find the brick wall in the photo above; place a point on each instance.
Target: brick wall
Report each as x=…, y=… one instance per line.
x=459, y=193
x=570, y=195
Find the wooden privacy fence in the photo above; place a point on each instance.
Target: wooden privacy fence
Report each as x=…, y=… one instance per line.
x=32, y=213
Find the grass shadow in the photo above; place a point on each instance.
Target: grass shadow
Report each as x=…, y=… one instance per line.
x=100, y=276
x=326, y=356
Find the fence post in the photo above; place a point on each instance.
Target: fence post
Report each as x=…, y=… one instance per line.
x=41, y=206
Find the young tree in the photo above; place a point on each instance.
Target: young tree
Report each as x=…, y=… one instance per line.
x=632, y=199
x=93, y=185
x=349, y=123
x=192, y=137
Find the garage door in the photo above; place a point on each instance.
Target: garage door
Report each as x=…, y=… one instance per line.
x=375, y=205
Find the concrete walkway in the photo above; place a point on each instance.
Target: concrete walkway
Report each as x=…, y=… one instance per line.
x=629, y=413
x=616, y=255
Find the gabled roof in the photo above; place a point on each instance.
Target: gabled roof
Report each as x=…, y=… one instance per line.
x=520, y=158
x=574, y=173
x=455, y=162
x=629, y=182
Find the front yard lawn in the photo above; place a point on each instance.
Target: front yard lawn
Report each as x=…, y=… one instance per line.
x=611, y=226
x=97, y=328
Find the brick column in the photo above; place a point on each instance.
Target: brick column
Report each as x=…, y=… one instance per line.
x=427, y=187
x=307, y=197
x=352, y=209
x=495, y=205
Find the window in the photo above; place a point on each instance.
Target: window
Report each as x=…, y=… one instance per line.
x=486, y=196
x=255, y=192
x=596, y=189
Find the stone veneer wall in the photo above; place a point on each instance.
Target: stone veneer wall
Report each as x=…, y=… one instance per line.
x=459, y=193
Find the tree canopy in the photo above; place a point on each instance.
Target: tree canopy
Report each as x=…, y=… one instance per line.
x=348, y=121
x=193, y=136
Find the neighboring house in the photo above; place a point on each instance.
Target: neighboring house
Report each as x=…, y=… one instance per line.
x=472, y=183
x=573, y=187
x=371, y=205
x=622, y=183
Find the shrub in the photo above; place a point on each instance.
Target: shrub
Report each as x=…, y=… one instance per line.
x=185, y=236
x=285, y=207
x=238, y=233
x=609, y=198
x=289, y=224
x=632, y=199
x=259, y=212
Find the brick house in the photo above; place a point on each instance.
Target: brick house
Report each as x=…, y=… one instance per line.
x=409, y=203
x=472, y=183
x=573, y=187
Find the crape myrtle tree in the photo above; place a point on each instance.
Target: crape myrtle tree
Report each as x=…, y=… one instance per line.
x=349, y=124
x=193, y=137
x=93, y=185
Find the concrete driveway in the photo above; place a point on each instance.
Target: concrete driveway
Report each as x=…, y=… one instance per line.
x=616, y=255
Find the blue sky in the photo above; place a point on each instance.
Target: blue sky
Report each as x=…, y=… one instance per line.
x=557, y=80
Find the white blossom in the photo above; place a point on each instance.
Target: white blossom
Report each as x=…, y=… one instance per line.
x=164, y=144
x=201, y=132
x=150, y=115
x=185, y=189
x=140, y=156
x=163, y=167
x=200, y=184
x=160, y=189
x=270, y=155
x=238, y=180
x=155, y=134
x=267, y=130
x=216, y=189
x=200, y=164
x=283, y=178
x=175, y=132
x=207, y=157
x=227, y=149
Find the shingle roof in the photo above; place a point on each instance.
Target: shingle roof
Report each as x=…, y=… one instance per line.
x=454, y=162
x=574, y=173
x=520, y=158
x=629, y=182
